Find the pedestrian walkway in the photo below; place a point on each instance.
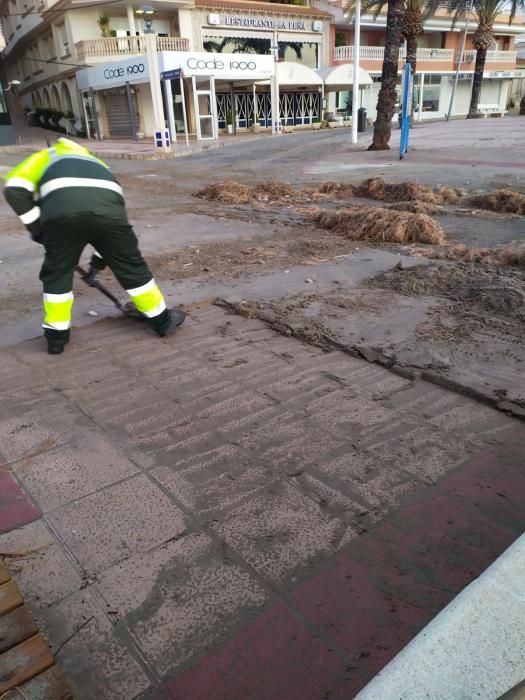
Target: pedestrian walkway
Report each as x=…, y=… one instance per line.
x=28, y=137
x=230, y=513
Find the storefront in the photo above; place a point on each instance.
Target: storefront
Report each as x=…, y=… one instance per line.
x=117, y=96
x=116, y=99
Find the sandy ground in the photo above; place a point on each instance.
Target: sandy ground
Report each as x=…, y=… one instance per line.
x=231, y=500
x=465, y=323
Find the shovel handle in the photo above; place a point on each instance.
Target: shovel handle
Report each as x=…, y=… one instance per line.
x=98, y=285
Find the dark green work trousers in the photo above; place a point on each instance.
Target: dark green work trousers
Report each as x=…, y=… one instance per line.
x=64, y=240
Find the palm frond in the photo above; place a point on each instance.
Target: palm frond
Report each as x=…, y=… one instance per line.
x=373, y=6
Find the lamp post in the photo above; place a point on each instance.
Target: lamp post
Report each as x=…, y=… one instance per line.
x=12, y=84
x=274, y=87
x=150, y=40
x=357, y=51
x=460, y=61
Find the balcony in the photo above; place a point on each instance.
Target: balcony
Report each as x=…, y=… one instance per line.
x=107, y=47
x=371, y=58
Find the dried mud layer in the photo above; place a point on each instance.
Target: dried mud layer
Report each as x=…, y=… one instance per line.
x=458, y=324
x=458, y=319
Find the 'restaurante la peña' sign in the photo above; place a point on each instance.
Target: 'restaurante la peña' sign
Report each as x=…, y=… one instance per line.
x=265, y=23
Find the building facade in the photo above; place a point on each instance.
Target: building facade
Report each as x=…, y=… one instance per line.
x=438, y=55
x=49, y=42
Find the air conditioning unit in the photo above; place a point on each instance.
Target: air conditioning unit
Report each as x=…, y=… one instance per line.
x=317, y=26
x=214, y=18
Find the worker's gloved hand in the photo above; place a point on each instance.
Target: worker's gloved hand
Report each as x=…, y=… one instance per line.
x=37, y=237
x=90, y=278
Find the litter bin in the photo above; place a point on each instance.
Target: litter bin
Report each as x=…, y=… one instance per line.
x=361, y=119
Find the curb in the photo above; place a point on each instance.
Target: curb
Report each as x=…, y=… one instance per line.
x=472, y=648
x=146, y=155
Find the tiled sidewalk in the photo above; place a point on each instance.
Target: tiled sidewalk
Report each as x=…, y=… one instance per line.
x=230, y=514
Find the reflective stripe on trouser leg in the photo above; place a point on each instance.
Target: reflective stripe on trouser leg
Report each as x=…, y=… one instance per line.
x=148, y=299
x=57, y=309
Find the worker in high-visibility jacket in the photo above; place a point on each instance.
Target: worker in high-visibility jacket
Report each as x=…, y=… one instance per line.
x=67, y=199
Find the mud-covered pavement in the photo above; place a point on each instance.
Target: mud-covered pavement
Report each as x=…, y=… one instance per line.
x=280, y=487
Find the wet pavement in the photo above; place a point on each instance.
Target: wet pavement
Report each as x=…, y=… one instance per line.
x=232, y=514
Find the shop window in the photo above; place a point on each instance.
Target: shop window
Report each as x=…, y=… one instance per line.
x=431, y=90
x=341, y=39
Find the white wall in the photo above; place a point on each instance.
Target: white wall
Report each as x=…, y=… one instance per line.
x=145, y=110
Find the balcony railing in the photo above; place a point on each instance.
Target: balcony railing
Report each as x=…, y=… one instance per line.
x=126, y=46
x=376, y=53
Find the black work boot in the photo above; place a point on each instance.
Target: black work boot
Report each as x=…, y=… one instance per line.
x=174, y=319
x=56, y=341
x=54, y=348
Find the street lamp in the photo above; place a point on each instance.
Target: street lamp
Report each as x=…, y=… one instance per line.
x=147, y=12
x=12, y=84
x=150, y=41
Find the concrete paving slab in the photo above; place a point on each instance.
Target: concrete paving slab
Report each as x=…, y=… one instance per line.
x=118, y=521
x=179, y=599
x=96, y=658
x=280, y=532
x=43, y=570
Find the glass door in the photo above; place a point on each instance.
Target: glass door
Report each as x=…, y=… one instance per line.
x=205, y=108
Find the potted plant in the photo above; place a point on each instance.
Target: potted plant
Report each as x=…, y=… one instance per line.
x=229, y=122
x=103, y=23
x=255, y=126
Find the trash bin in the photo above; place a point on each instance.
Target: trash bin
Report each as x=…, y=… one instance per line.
x=361, y=119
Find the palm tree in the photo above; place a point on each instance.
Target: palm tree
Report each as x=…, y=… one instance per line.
x=386, y=101
x=404, y=21
x=486, y=12
x=416, y=14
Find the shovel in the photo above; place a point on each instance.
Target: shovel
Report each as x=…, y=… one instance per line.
x=127, y=309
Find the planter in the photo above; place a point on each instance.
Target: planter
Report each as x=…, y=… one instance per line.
x=229, y=128
x=288, y=129
x=316, y=126
x=255, y=128
x=347, y=122
x=140, y=134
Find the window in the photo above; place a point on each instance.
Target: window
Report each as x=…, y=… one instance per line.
x=63, y=40
x=431, y=91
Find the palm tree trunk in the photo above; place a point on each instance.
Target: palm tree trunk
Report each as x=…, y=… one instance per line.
x=481, y=55
x=412, y=61
x=386, y=100
x=412, y=53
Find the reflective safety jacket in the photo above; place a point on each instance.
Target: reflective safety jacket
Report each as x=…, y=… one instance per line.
x=63, y=181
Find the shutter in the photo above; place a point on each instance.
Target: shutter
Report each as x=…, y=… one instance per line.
x=117, y=112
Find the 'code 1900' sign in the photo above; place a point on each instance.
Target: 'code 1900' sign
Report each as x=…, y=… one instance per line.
x=127, y=72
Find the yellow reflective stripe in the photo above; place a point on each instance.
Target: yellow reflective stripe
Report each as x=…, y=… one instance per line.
x=57, y=309
x=148, y=299
x=156, y=311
